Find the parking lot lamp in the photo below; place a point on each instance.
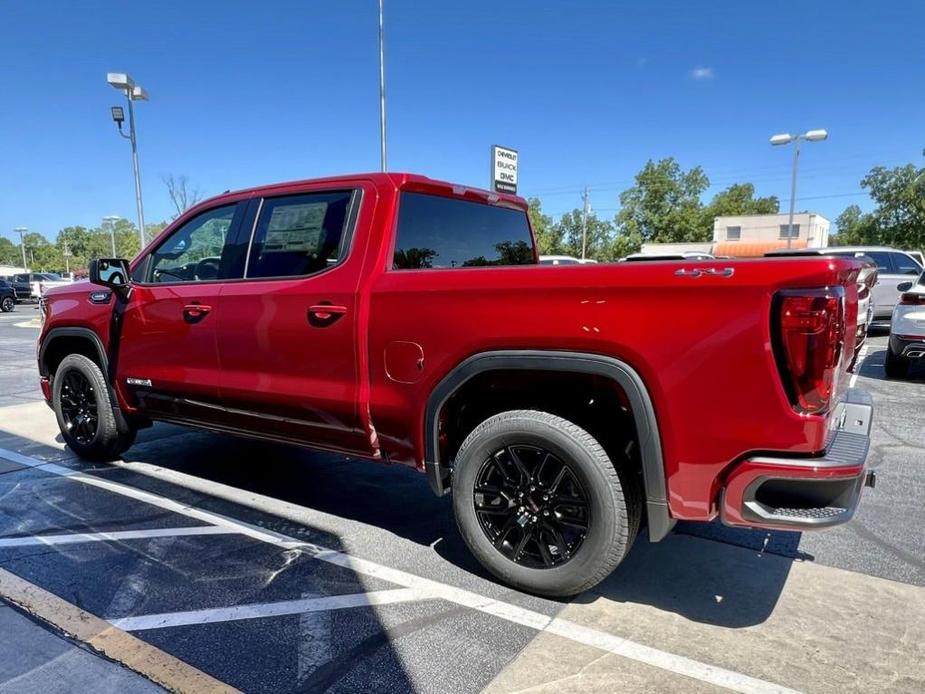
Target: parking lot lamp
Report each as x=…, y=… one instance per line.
x=22, y=244
x=785, y=139
x=125, y=84
x=110, y=221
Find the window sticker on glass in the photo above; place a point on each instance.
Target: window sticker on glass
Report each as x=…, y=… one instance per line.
x=295, y=228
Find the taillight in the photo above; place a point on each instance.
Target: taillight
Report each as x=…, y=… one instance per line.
x=912, y=299
x=809, y=334
x=863, y=291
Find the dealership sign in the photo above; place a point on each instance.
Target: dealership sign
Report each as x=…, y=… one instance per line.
x=503, y=169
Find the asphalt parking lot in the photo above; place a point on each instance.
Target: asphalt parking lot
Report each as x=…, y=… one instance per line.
x=207, y=562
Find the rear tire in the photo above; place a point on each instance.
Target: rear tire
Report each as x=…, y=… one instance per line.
x=80, y=397
x=547, y=563
x=7, y=304
x=896, y=365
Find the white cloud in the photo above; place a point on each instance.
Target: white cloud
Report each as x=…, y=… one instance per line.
x=702, y=73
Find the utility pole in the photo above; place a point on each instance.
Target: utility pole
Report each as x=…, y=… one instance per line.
x=584, y=222
x=22, y=244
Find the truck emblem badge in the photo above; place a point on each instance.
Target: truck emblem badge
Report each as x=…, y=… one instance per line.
x=701, y=271
x=138, y=382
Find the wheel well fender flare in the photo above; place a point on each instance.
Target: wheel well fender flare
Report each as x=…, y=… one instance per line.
x=82, y=333
x=653, y=470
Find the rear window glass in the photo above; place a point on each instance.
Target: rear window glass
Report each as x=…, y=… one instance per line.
x=437, y=232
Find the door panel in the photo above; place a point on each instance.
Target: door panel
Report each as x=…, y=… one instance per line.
x=288, y=344
x=167, y=359
x=160, y=342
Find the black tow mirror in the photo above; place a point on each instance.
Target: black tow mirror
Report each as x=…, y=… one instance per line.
x=904, y=286
x=111, y=272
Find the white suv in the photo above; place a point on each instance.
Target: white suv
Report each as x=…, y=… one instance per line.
x=907, y=330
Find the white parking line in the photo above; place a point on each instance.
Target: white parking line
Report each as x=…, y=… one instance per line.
x=427, y=588
x=858, y=364
x=266, y=609
x=73, y=538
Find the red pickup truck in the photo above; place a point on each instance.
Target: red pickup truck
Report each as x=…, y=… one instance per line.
x=407, y=320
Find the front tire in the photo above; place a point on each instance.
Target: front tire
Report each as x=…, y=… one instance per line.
x=7, y=304
x=895, y=365
x=80, y=396
x=541, y=505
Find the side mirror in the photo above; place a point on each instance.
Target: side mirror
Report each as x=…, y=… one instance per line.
x=904, y=286
x=111, y=272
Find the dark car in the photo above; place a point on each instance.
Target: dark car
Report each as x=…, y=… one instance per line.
x=22, y=285
x=7, y=296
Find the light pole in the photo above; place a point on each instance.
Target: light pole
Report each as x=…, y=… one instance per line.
x=22, y=244
x=110, y=221
x=785, y=139
x=382, y=160
x=125, y=84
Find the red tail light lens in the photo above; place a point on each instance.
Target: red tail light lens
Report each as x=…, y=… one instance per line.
x=912, y=299
x=810, y=336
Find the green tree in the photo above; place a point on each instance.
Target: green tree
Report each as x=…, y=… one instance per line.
x=599, y=245
x=548, y=235
x=663, y=206
x=898, y=220
x=9, y=252
x=855, y=228
x=739, y=199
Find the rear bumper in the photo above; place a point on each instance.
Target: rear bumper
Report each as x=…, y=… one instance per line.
x=908, y=345
x=805, y=493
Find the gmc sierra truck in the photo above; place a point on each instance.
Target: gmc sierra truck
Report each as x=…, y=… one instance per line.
x=408, y=320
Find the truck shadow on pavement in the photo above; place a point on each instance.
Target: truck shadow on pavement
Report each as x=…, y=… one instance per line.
x=725, y=577
x=703, y=580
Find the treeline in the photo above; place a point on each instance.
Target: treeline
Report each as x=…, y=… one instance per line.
x=80, y=244
x=898, y=220
x=665, y=205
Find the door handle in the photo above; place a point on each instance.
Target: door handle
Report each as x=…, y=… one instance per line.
x=324, y=314
x=194, y=312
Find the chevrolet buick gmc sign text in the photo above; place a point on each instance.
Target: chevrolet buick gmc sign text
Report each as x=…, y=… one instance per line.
x=503, y=169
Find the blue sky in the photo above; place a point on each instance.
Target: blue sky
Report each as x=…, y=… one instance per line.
x=251, y=93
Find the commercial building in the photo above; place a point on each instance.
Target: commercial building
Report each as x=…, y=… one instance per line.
x=756, y=234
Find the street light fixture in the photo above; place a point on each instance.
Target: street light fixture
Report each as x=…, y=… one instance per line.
x=110, y=221
x=786, y=139
x=22, y=244
x=133, y=92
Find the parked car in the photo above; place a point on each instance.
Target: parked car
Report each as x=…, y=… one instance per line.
x=564, y=260
x=43, y=281
x=31, y=285
x=7, y=297
x=22, y=285
x=685, y=255
x=893, y=267
x=407, y=320
x=907, y=329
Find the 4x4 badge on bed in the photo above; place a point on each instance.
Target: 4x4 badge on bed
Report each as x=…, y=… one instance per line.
x=138, y=382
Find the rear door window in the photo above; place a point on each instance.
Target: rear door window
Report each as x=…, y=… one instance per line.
x=883, y=260
x=300, y=235
x=905, y=265
x=435, y=232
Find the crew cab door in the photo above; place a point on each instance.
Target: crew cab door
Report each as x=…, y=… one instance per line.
x=167, y=358
x=288, y=333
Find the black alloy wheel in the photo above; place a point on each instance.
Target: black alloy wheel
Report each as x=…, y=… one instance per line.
x=79, y=407
x=7, y=304
x=531, y=506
